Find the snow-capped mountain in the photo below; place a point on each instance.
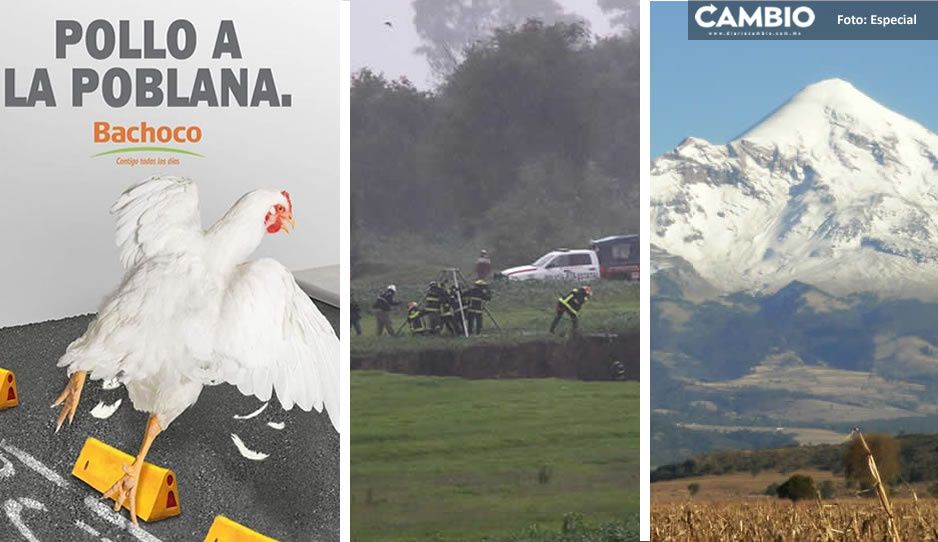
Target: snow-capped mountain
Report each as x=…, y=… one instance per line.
x=831, y=189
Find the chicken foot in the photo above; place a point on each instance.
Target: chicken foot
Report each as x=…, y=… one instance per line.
x=69, y=398
x=125, y=489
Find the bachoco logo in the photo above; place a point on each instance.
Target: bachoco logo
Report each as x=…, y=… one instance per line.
x=146, y=138
x=758, y=16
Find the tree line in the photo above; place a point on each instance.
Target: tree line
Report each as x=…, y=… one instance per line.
x=903, y=458
x=531, y=140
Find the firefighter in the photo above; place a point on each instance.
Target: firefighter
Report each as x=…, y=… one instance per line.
x=431, y=305
x=415, y=320
x=448, y=312
x=571, y=304
x=483, y=265
x=458, y=309
x=355, y=317
x=475, y=299
x=382, y=309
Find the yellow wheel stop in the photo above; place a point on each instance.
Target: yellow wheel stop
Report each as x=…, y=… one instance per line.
x=9, y=396
x=225, y=530
x=101, y=466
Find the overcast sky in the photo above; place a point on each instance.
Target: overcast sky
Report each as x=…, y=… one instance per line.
x=391, y=50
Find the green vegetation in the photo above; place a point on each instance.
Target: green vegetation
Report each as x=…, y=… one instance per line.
x=798, y=487
x=531, y=142
x=523, y=310
x=915, y=461
x=528, y=143
x=576, y=529
x=455, y=459
x=787, y=459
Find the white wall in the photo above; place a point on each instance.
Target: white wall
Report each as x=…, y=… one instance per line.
x=57, y=253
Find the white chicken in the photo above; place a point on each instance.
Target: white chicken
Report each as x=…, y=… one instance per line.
x=192, y=311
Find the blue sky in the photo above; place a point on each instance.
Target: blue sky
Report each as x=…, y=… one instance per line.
x=718, y=89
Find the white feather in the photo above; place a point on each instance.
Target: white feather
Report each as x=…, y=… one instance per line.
x=103, y=411
x=247, y=452
x=251, y=415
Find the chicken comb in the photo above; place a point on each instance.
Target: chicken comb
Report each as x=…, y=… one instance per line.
x=289, y=201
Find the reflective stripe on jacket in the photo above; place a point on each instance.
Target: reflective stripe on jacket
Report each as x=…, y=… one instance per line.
x=476, y=298
x=415, y=319
x=446, y=309
x=431, y=303
x=574, y=300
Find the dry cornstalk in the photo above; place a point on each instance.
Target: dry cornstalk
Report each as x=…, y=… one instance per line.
x=929, y=531
x=880, y=489
x=828, y=528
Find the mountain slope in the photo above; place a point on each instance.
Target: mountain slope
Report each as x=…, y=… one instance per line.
x=831, y=189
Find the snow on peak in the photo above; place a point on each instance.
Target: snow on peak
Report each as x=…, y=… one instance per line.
x=831, y=188
x=833, y=91
x=824, y=110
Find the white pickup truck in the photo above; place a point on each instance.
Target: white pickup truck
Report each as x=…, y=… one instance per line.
x=560, y=264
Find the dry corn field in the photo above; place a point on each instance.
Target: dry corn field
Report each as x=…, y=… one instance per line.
x=777, y=520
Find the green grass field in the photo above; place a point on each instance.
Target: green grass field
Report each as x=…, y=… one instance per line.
x=523, y=310
x=454, y=459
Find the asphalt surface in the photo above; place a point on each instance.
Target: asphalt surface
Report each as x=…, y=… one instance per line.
x=291, y=495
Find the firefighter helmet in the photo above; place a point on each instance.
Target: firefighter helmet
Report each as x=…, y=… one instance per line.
x=412, y=305
x=392, y=288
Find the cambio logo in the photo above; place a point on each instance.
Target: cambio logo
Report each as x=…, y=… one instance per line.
x=710, y=16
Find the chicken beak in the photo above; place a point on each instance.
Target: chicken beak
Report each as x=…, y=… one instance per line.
x=291, y=221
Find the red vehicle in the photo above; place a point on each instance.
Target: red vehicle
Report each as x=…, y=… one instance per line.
x=618, y=256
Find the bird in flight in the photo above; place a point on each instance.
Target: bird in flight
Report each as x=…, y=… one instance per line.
x=192, y=310
x=388, y=24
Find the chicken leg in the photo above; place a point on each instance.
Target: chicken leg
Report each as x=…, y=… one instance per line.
x=125, y=489
x=69, y=398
